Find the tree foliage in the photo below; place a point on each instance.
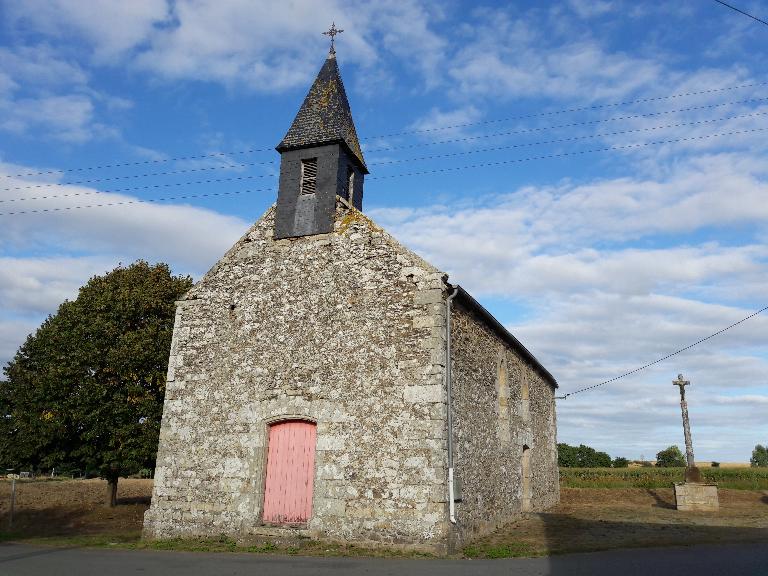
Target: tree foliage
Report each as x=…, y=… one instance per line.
x=671, y=457
x=759, y=456
x=581, y=457
x=620, y=462
x=85, y=391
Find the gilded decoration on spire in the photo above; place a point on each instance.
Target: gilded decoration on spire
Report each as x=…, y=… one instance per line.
x=332, y=32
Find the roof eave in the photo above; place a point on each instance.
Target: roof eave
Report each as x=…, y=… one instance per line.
x=466, y=298
x=360, y=163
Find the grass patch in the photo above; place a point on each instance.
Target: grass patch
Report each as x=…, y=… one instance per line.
x=221, y=544
x=732, y=478
x=511, y=550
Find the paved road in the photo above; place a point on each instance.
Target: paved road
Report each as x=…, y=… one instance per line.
x=725, y=560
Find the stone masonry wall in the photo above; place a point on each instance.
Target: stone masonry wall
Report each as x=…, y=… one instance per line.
x=345, y=329
x=492, y=424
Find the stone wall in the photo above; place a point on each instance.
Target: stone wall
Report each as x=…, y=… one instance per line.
x=345, y=329
x=501, y=405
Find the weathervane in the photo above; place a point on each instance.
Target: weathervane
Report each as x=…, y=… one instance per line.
x=332, y=31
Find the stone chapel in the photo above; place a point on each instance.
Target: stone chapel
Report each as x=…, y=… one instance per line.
x=324, y=379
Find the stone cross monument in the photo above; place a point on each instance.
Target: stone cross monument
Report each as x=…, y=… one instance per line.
x=693, y=494
x=686, y=423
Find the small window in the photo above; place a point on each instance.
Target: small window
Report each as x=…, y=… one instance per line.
x=350, y=183
x=308, y=175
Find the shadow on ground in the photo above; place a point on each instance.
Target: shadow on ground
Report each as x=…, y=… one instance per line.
x=592, y=520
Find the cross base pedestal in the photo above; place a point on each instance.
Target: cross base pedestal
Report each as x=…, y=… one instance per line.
x=694, y=496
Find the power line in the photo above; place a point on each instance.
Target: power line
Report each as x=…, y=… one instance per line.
x=561, y=140
x=402, y=133
x=675, y=353
x=131, y=176
x=565, y=154
x=132, y=189
x=558, y=126
x=438, y=170
x=385, y=162
x=138, y=201
x=570, y=110
x=742, y=12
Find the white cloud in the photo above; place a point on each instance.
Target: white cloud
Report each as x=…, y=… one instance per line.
x=79, y=243
x=112, y=28
x=591, y=8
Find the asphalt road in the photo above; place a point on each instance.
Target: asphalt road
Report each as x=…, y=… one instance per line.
x=725, y=560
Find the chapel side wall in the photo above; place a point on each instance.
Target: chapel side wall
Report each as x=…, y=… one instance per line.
x=492, y=425
x=344, y=329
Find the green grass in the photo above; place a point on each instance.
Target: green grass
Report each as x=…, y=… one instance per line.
x=513, y=550
x=133, y=541
x=733, y=478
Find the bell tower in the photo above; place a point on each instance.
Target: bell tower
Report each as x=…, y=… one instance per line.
x=320, y=158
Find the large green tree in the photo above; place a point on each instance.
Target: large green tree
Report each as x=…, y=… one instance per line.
x=85, y=391
x=670, y=457
x=759, y=456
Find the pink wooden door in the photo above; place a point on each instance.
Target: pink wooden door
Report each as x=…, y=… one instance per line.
x=290, y=472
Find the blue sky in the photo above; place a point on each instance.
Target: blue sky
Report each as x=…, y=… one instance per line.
x=599, y=261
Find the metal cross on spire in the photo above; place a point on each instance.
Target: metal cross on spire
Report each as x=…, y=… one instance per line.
x=332, y=32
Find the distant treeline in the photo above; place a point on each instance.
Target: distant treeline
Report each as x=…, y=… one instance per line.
x=586, y=457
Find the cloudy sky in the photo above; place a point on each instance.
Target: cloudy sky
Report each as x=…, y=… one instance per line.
x=594, y=171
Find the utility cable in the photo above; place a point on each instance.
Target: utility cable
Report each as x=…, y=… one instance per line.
x=564, y=154
x=384, y=162
x=558, y=126
x=668, y=356
x=439, y=170
x=381, y=149
x=131, y=176
x=132, y=189
x=561, y=140
x=742, y=12
x=138, y=201
x=401, y=133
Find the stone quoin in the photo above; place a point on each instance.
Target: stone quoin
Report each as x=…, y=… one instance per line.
x=308, y=377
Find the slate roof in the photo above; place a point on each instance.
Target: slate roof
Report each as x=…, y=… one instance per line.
x=325, y=116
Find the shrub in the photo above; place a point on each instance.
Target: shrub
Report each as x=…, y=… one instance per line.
x=620, y=462
x=672, y=457
x=759, y=456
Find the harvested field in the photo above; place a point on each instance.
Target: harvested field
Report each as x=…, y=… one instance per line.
x=74, y=508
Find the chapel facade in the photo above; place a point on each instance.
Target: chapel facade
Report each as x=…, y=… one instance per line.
x=325, y=379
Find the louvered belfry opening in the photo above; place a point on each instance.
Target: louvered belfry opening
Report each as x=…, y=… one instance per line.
x=309, y=176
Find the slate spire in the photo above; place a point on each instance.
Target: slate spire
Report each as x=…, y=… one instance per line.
x=325, y=116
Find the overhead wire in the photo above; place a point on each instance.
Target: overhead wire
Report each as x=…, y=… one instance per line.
x=380, y=163
x=401, y=133
x=741, y=12
x=667, y=357
x=439, y=170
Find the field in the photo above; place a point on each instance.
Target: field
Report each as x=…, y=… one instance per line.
x=71, y=512
x=743, y=478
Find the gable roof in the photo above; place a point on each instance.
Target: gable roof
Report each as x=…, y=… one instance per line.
x=470, y=303
x=325, y=116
